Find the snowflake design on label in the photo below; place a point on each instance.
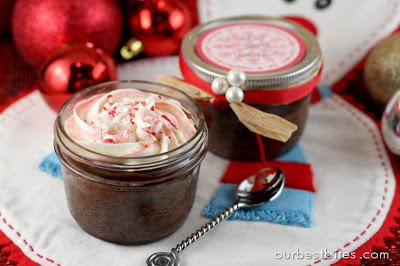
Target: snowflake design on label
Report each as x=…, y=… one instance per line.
x=251, y=47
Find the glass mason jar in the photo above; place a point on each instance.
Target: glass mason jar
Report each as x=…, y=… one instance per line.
x=282, y=61
x=131, y=200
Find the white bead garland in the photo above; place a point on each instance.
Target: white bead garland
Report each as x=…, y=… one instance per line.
x=230, y=86
x=234, y=95
x=236, y=77
x=220, y=85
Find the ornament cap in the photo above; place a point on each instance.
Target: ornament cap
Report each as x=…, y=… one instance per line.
x=131, y=49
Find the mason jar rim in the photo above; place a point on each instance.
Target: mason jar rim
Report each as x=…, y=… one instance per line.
x=310, y=64
x=200, y=128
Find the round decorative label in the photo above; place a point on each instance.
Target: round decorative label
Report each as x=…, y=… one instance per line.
x=251, y=47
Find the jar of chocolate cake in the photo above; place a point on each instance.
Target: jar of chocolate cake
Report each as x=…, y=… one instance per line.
x=130, y=154
x=282, y=62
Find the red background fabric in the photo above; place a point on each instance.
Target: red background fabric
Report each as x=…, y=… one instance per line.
x=16, y=80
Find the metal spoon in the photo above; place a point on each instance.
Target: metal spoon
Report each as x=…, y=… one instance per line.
x=263, y=186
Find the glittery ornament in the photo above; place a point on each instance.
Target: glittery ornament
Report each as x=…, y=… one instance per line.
x=382, y=70
x=159, y=24
x=39, y=26
x=72, y=68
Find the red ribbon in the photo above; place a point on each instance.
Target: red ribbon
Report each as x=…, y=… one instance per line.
x=298, y=175
x=263, y=97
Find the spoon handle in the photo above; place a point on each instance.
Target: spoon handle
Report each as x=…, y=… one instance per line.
x=172, y=258
x=206, y=228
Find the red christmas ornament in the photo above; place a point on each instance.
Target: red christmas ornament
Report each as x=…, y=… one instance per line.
x=39, y=26
x=159, y=24
x=72, y=68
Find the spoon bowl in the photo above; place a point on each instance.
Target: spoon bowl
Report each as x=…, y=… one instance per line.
x=263, y=186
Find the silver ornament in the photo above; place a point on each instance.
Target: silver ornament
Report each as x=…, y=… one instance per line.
x=390, y=124
x=234, y=95
x=219, y=85
x=236, y=77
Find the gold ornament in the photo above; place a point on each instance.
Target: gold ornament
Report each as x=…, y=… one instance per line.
x=131, y=49
x=382, y=70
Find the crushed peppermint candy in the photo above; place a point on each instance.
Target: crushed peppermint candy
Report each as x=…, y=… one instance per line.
x=130, y=122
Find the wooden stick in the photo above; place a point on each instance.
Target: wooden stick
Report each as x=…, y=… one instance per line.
x=265, y=124
x=192, y=91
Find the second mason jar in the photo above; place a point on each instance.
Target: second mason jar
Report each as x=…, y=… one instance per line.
x=282, y=61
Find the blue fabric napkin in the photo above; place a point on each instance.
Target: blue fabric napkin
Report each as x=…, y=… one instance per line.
x=51, y=165
x=292, y=207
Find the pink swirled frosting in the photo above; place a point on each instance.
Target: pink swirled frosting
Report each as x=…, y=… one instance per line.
x=129, y=122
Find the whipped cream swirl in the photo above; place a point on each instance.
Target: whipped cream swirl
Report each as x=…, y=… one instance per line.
x=129, y=122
